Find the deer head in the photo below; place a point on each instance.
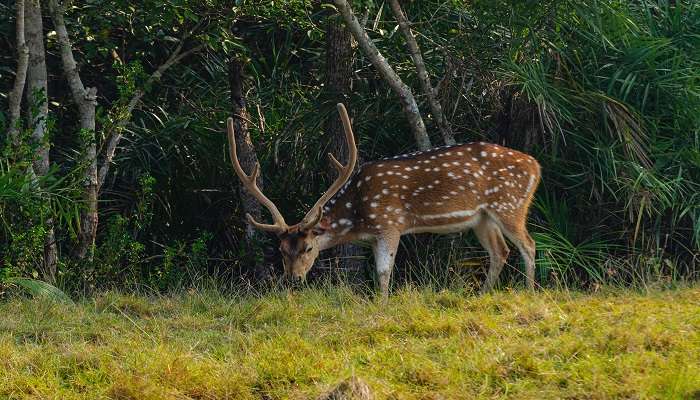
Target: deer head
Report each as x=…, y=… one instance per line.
x=299, y=243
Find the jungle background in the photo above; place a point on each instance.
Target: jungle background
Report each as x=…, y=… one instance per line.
x=140, y=193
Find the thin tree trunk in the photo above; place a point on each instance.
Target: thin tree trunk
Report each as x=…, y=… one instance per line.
x=246, y=151
x=246, y=155
x=15, y=97
x=339, y=53
x=37, y=86
x=408, y=102
x=86, y=100
x=37, y=92
x=423, y=77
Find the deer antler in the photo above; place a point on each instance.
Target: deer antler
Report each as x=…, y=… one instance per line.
x=249, y=181
x=344, y=172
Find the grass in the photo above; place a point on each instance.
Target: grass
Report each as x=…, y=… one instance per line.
x=295, y=345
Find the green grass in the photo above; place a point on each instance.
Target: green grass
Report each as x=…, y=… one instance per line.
x=421, y=345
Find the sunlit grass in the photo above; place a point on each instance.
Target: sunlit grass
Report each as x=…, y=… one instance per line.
x=422, y=344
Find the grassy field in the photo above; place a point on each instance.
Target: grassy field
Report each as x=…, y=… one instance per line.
x=421, y=345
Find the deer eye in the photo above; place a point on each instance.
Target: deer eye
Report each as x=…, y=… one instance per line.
x=308, y=249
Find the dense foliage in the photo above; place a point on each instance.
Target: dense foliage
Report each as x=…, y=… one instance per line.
x=606, y=94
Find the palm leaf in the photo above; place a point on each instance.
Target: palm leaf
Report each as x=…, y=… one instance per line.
x=40, y=289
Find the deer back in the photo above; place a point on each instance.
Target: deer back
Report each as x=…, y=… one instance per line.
x=426, y=191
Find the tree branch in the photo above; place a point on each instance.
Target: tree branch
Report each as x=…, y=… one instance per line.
x=15, y=97
x=423, y=77
x=115, y=136
x=84, y=98
x=408, y=102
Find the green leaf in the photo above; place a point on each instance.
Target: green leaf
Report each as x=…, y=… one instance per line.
x=37, y=288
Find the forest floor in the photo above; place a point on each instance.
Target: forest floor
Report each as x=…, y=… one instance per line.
x=422, y=344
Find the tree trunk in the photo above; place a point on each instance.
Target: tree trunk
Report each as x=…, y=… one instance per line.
x=86, y=100
x=15, y=97
x=423, y=77
x=246, y=156
x=408, y=102
x=37, y=86
x=37, y=92
x=348, y=257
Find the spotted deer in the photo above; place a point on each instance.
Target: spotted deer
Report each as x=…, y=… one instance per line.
x=479, y=186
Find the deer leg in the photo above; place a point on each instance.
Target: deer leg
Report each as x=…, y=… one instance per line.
x=521, y=238
x=490, y=236
x=384, y=253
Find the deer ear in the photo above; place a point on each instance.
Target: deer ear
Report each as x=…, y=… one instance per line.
x=322, y=226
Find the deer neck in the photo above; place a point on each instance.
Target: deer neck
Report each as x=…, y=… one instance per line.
x=341, y=225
